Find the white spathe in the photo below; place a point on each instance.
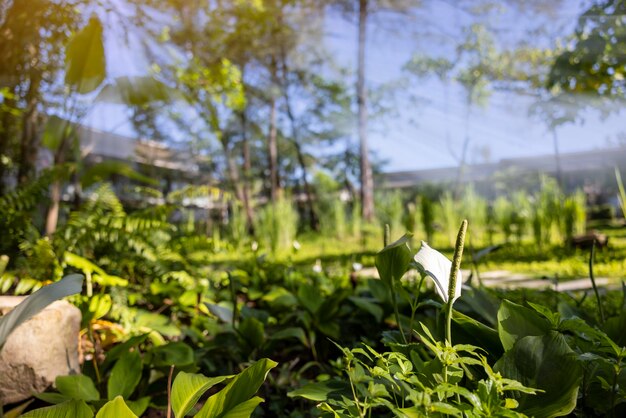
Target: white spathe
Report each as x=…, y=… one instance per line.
x=437, y=267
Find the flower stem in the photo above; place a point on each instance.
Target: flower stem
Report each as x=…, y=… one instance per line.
x=593, y=279
x=456, y=263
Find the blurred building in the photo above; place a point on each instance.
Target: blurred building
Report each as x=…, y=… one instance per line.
x=593, y=171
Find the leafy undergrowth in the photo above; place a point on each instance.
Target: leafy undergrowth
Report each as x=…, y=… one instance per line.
x=160, y=312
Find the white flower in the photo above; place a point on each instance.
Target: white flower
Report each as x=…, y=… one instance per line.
x=435, y=265
x=317, y=267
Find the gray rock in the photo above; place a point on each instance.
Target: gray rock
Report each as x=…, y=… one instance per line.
x=39, y=350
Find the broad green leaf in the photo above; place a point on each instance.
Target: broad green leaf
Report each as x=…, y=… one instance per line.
x=543, y=362
x=85, y=66
x=116, y=408
x=369, y=306
x=36, y=302
x=516, y=321
x=125, y=375
x=52, y=397
x=139, y=406
x=239, y=390
x=393, y=260
x=73, y=408
x=253, y=331
x=291, y=332
x=188, y=388
x=176, y=353
x=136, y=91
x=117, y=351
x=77, y=386
x=99, y=305
x=280, y=297
x=309, y=297
x=317, y=391
x=159, y=323
x=467, y=330
x=244, y=409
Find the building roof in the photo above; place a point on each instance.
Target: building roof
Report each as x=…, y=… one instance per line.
x=573, y=162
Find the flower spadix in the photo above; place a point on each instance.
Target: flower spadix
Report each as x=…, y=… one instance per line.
x=435, y=265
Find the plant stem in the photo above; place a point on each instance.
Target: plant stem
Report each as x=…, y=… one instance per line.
x=169, y=392
x=394, y=301
x=593, y=279
x=387, y=236
x=456, y=263
x=414, y=306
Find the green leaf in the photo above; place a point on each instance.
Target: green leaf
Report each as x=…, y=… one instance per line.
x=368, y=306
x=52, y=397
x=516, y=321
x=85, y=66
x=393, y=260
x=36, y=302
x=116, y=408
x=317, y=391
x=105, y=170
x=136, y=91
x=309, y=297
x=291, y=332
x=125, y=375
x=99, y=305
x=244, y=409
x=176, y=353
x=119, y=350
x=253, y=331
x=139, y=406
x=77, y=386
x=188, y=388
x=239, y=390
x=73, y=408
x=55, y=131
x=543, y=362
x=467, y=330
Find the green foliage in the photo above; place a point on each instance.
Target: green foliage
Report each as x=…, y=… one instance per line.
x=84, y=60
x=237, y=398
x=277, y=225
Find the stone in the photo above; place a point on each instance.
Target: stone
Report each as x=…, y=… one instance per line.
x=585, y=241
x=39, y=350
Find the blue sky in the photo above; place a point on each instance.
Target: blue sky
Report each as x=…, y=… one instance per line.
x=420, y=136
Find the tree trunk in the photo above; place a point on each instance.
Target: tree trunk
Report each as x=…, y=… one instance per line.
x=29, y=143
x=246, y=173
x=272, y=151
x=308, y=191
x=52, y=217
x=5, y=139
x=367, y=180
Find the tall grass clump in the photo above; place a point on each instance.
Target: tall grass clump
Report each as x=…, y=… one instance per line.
x=474, y=209
x=503, y=215
x=428, y=217
x=449, y=216
x=521, y=214
x=237, y=224
x=390, y=211
x=277, y=225
x=574, y=215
